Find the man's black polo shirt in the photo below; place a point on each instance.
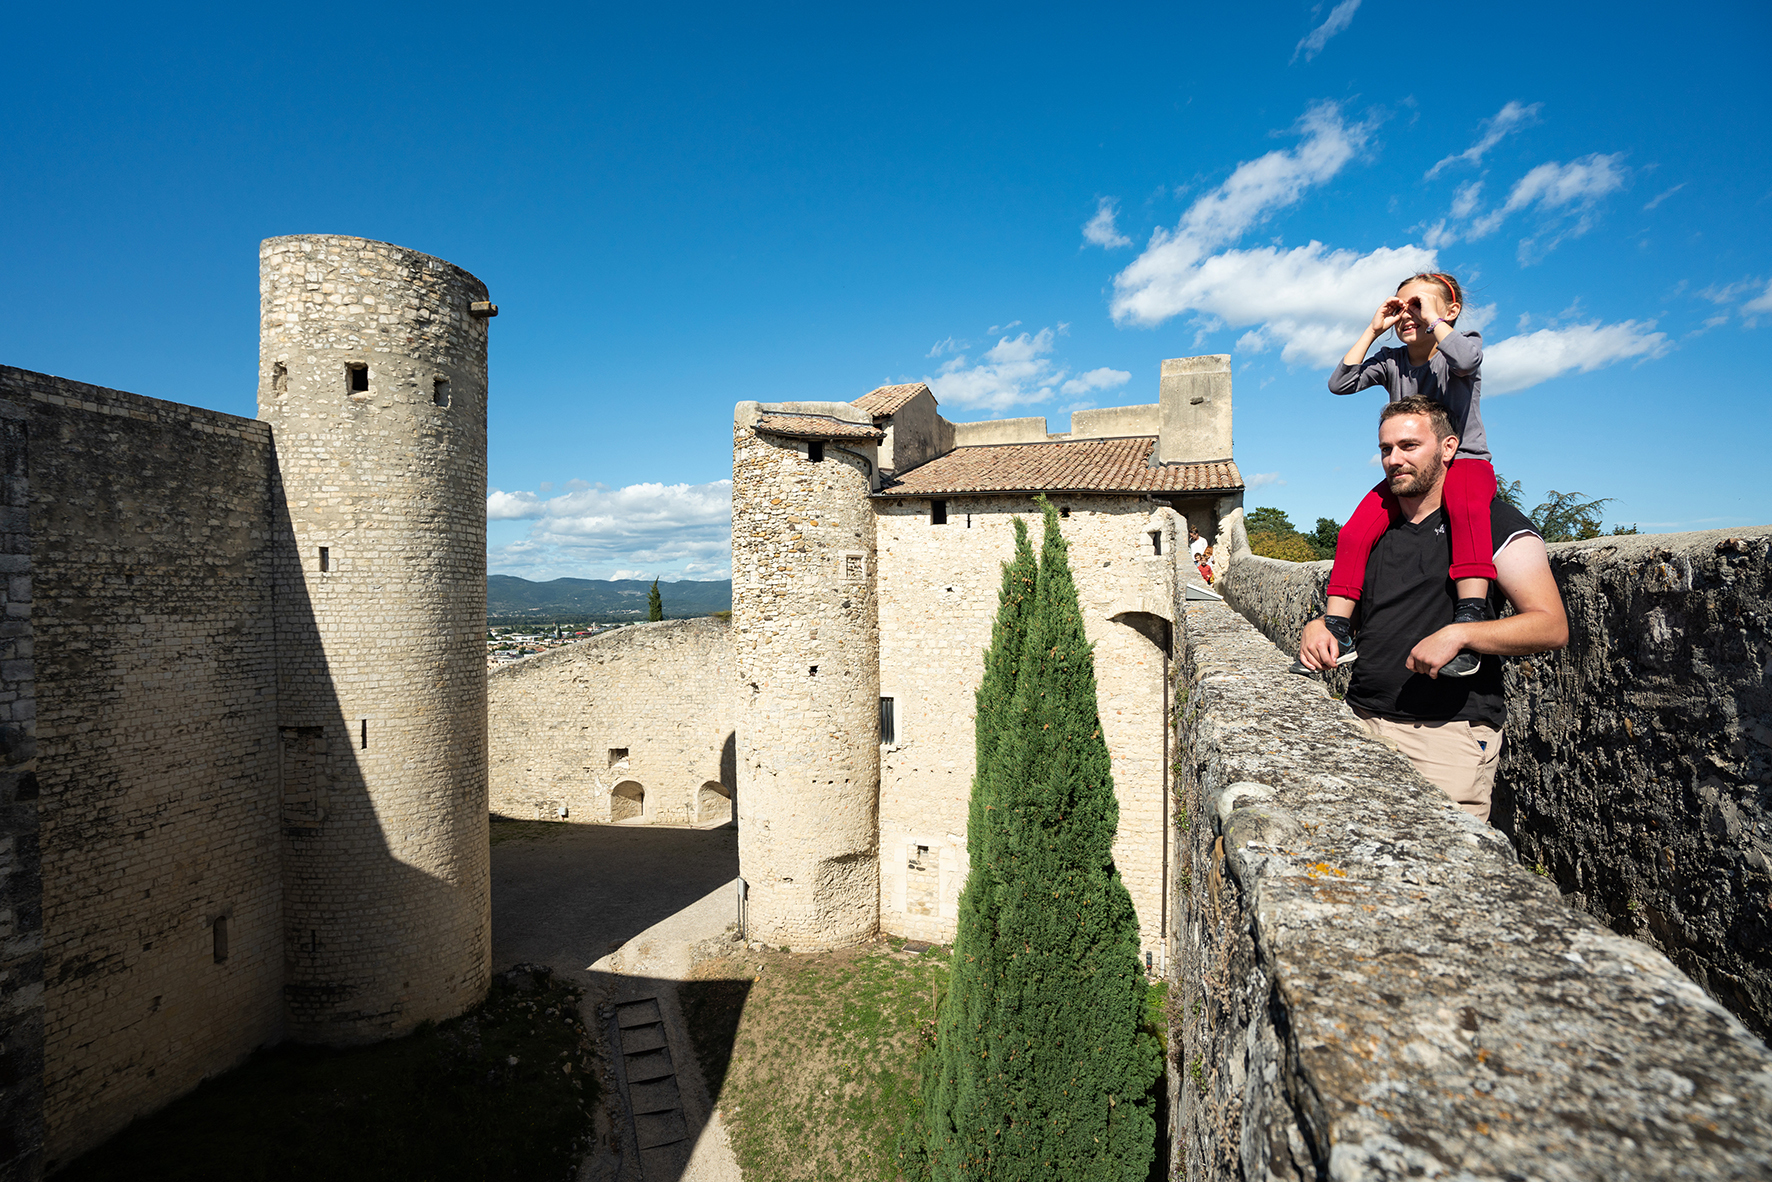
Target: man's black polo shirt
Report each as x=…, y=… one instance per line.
x=1409, y=595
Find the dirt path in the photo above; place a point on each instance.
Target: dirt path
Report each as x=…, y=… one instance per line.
x=619, y=909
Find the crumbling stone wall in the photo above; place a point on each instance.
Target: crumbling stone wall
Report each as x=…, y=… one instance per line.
x=1367, y=985
x=649, y=704
x=938, y=598
x=21, y=877
x=155, y=668
x=1635, y=770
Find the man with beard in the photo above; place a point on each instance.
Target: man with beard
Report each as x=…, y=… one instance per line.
x=1450, y=728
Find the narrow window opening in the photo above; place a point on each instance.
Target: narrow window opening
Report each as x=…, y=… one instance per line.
x=359, y=375
x=1065, y=511
x=617, y=755
x=1156, y=542
x=968, y=521
x=363, y=733
x=440, y=391
x=279, y=378
x=938, y=512
x=325, y=558
x=888, y=728
x=219, y=934
x=815, y=451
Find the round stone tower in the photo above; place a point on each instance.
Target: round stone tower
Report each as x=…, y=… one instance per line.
x=805, y=632
x=372, y=374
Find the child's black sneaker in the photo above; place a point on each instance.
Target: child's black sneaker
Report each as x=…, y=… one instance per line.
x=1468, y=611
x=1344, y=637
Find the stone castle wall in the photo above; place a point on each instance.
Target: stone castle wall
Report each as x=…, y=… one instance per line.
x=805, y=640
x=1637, y=760
x=1367, y=985
x=21, y=865
x=938, y=597
x=372, y=378
x=156, y=690
x=646, y=709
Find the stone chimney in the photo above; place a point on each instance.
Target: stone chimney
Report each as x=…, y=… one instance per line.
x=1194, y=409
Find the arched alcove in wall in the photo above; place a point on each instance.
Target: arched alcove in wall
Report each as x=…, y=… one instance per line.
x=713, y=802
x=627, y=801
x=1151, y=626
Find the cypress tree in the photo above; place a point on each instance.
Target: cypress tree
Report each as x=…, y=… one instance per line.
x=956, y=1096
x=1044, y=1072
x=654, y=603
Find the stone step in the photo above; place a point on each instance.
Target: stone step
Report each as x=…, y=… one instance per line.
x=658, y=1096
x=660, y=1128
x=638, y=1013
x=635, y=1039
x=648, y=1066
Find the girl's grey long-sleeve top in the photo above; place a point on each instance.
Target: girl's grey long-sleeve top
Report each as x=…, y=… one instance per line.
x=1453, y=377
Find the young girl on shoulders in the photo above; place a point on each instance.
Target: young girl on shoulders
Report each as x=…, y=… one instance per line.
x=1439, y=361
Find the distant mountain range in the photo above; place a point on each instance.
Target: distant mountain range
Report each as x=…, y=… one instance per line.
x=612, y=600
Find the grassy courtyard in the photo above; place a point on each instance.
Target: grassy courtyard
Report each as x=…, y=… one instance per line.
x=812, y=1058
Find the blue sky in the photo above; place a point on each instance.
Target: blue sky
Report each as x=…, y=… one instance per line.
x=1031, y=206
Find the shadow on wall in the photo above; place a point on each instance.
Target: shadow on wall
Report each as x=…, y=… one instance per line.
x=385, y=890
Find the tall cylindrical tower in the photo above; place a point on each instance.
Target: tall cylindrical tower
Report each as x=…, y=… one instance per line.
x=372, y=374
x=806, y=644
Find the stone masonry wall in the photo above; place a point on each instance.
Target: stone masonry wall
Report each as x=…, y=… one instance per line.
x=372, y=376
x=938, y=597
x=1368, y=986
x=805, y=643
x=1637, y=760
x=660, y=693
x=21, y=878
x=156, y=724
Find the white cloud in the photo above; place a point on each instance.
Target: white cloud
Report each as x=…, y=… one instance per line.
x=1100, y=229
x=1563, y=195
x=592, y=531
x=1761, y=302
x=1261, y=478
x=1663, y=196
x=1339, y=18
x=1310, y=301
x=1016, y=371
x=1534, y=357
x=1509, y=119
x=949, y=345
x=1464, y=200
x=1096, y=379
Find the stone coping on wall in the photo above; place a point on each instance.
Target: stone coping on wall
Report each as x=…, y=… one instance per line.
x=608, y=643
x=1369, y=985
x=54, y=391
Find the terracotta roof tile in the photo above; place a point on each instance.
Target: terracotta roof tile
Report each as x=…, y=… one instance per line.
x=1083, y=465
x=888, y=399
x=798, y=426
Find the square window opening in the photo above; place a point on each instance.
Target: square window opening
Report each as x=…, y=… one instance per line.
x=812, y=671
x=815, y=451
x=279, y=378
x=617, y=755
x=938, y=512
x=1064, y=511
x=440, y=391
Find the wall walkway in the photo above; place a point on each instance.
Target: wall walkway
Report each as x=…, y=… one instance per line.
x=1368, y=985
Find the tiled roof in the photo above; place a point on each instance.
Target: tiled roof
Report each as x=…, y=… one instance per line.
x=888, y=399
x=797, y=426
x=1082, y=465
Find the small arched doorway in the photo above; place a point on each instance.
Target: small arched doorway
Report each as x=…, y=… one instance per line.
x=627, y=802
x=713, y=803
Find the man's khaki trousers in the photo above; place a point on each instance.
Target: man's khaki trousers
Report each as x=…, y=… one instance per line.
x=1459, y=758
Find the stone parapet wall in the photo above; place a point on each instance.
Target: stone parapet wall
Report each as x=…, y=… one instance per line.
x=647, y=707
x=1367, y=984
x=156, y=684
x=1637, y=769
x=21, y=870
